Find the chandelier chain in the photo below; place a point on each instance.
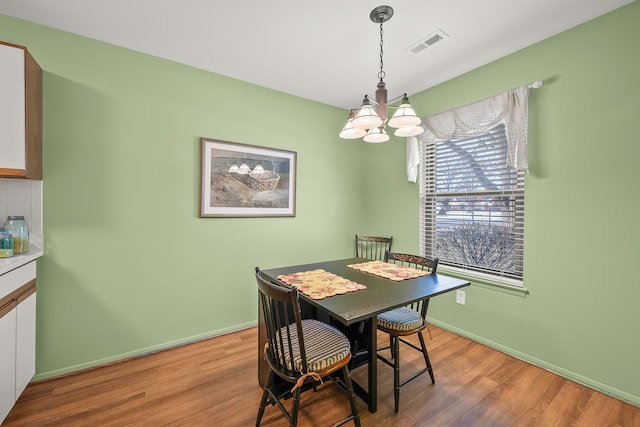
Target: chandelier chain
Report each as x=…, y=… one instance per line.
x=381, y=74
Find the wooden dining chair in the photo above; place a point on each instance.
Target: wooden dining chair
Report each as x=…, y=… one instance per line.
x=404, y=321
x=373, y=247
x=300, y=352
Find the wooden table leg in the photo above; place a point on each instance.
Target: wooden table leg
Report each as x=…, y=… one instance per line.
x=373, y=364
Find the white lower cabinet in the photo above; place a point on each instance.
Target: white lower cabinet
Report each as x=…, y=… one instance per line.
x=17, y=334
x=7, y=362
x=25, y=342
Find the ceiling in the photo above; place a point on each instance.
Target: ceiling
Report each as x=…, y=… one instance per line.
x=328, y=50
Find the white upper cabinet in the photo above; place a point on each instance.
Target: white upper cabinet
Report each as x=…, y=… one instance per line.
x=12, y=118
x=20, y=113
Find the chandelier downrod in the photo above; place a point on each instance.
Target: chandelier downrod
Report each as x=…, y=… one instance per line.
x=369, y=121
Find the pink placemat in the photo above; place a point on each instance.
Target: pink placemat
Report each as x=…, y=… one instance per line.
x=389, y=271
x=319, y=284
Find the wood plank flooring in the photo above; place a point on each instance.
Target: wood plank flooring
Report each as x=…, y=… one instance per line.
x=214, y=383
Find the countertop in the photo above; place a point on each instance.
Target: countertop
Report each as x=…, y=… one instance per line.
x=35, y=252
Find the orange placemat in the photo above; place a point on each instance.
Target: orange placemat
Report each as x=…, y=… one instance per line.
x=389, y=271
x=319, y=284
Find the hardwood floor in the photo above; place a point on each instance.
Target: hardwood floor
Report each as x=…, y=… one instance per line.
x=214, y=383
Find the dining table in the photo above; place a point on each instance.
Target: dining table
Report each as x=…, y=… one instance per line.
x=354, y=311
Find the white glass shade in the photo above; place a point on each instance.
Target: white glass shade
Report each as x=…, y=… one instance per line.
x=233, y=168
x=367, y=117
x=349, y=132
x=404, y=117
x=244, y=169
x=409, y=131
x=376, y=135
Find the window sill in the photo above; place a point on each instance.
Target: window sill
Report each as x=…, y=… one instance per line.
x=482, y=282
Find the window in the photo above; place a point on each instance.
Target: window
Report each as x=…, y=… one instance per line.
x=473, y=206
x=472, y=165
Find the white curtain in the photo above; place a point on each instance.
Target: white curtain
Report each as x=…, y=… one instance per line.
x=509, y=108
x=413, y=158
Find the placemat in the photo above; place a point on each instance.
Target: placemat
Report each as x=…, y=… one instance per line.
x=319, y=284
x=388, y=270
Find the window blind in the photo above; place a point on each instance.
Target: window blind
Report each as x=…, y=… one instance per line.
x=472, y=206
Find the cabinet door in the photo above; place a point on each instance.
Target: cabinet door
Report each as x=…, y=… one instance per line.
x=25, y=343
x=7, y=362
x=12, y=108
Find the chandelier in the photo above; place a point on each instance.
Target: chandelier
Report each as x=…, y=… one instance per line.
x=370, y=120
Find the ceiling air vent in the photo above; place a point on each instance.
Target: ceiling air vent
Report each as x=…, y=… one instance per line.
x=429, y=40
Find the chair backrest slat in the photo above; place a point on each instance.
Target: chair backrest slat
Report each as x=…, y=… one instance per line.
x=283, y=323
x=414, y=261
x=372, y=247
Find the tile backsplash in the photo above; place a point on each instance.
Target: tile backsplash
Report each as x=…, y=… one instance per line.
x=22, y=197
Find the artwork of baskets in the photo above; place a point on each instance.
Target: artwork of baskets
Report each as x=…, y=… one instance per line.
x=257, y=179
x=263, y=180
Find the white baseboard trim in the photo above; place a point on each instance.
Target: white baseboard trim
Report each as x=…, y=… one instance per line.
x=580, y=379
x=141, y=352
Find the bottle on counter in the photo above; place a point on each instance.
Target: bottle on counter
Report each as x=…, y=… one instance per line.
x=6, y=244
x=17, y=226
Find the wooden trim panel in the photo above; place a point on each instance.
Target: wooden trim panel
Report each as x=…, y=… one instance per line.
x=33, y=117
x=11, y=300
x=19, y=173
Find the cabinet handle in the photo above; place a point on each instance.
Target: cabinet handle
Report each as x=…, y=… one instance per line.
x=26, y=290
x=14, y=298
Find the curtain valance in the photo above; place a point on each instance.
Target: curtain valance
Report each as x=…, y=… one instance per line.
x=509, y=108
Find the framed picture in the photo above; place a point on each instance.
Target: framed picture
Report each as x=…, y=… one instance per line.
x=240, y=180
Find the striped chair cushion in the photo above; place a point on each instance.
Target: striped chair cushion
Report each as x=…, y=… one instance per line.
x=324, y=345
x=400, y=319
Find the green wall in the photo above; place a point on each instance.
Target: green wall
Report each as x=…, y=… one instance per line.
x=129, y=267
x=582, y=234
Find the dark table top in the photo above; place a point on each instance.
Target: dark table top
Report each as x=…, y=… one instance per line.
x=381, y=294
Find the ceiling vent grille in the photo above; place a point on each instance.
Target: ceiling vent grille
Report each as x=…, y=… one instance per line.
x=428, y=41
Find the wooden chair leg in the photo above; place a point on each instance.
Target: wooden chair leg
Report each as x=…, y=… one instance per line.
x=294, y=408
x=265, y=397
x=396, y=372
x=426, y=357
x=352, y=396
x=391, y=345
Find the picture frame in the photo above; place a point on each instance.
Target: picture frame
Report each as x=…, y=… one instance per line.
x=242, y=180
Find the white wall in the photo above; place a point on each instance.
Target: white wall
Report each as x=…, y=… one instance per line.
x=22, y=197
